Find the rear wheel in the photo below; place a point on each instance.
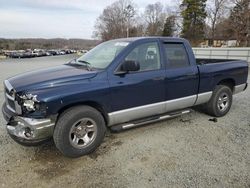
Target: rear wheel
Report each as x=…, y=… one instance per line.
x=220, y=102
x=79, y=131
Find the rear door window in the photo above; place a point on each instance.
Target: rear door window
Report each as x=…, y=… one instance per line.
x=176, y=55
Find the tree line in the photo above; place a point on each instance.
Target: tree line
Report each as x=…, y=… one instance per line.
x=57, y=43
x=195, y=20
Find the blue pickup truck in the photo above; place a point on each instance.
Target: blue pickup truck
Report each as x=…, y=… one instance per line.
x=117, y=85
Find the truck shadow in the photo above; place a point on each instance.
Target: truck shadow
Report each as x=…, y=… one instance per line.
x=50, y=163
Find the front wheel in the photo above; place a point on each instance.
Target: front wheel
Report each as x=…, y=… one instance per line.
x=220, y=102
x=79, y=131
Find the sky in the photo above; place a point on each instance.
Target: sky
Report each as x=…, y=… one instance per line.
x=54, y=18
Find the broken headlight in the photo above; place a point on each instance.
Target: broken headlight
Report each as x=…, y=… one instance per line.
x=29, y=105
x=30, y=102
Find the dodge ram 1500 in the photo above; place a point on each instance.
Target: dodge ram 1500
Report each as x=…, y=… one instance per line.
x=117, y=85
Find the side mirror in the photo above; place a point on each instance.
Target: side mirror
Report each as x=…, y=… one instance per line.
x=128, y=66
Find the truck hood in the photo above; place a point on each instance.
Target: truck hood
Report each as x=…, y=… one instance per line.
x=50, y=77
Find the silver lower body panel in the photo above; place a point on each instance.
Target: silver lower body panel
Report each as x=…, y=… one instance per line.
x=239, y=88
x=131, y=114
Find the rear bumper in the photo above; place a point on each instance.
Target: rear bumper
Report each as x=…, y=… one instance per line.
x=240, y=88
x=29, y=129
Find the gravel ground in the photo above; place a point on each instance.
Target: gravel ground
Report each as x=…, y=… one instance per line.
x=188, y=151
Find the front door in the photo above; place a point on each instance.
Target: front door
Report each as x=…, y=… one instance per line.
x=139, y=94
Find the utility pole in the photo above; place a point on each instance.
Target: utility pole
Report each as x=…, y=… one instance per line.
x=248, y=34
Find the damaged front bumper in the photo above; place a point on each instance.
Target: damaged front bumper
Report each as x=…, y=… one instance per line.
x=29, y=129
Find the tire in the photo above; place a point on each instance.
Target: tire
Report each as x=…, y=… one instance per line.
x=220, y=102
x=79, y=131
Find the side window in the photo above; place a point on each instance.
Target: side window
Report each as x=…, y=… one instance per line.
x=176, y=55
x=147, y=55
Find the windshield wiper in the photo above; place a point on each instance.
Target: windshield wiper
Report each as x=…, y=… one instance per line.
x=87, y=64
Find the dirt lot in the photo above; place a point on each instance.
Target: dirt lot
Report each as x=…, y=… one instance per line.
x=188, y=151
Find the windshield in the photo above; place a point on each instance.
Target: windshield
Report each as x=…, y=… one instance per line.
x=103, y=54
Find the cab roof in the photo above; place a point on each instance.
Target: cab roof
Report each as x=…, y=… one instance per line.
x=133, y=39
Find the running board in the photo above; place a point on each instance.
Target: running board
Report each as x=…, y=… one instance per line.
x=125, y=126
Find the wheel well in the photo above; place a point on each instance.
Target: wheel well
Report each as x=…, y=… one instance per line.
x=94, y=105
x=228, y=82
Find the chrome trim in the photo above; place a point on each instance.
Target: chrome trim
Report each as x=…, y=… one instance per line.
x=174, y=115
x=10, y=97
x=8, y=85
x=45, y=126
x=203, y=97
x=11, y=109
x=18, y=108
x=239, y=88
x=40, y=128
x=130, y=125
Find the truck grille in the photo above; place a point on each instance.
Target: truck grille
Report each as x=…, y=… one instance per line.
x=11, y=103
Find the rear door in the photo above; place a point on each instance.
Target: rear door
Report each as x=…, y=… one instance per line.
x=182, y=78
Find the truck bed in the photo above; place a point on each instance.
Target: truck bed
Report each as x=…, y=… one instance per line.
x=201, y=61
x=213, y=71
